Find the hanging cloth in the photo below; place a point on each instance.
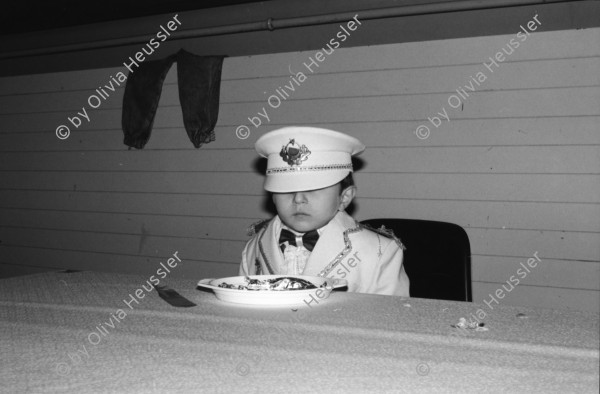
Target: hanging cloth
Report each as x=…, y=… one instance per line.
x=199, y=83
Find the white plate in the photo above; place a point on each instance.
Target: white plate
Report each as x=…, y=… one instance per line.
x=272, y=297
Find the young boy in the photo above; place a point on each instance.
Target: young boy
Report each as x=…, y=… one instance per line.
x=309, y=173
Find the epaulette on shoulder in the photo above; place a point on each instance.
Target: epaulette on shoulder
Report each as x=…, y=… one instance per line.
x=386, y=232
x=257, y=226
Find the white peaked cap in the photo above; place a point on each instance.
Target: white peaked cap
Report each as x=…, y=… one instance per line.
x=306, y=158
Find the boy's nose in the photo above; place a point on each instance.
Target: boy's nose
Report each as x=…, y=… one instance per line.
x=299, y=198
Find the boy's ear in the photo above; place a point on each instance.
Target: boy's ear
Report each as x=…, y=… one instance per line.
x=347, y=197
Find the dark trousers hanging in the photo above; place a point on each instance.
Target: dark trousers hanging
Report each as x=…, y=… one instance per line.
x=199, y=83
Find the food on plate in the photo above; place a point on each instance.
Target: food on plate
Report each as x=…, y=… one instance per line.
x=281, y=283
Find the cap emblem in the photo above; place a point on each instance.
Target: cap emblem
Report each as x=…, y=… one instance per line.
x=294, y=154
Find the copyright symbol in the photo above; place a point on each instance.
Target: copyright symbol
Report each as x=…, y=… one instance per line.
x=63, y=369
x=62, y=132
x=242, y=369
x=422, y=132
x=423, y=369
x=242, y=132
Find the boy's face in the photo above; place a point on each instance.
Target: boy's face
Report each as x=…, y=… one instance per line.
x=312, y=209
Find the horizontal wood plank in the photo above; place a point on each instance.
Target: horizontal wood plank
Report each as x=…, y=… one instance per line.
x=52, y=259
x=191, y=211
x=467, y=132
x=536, y=297
x=548, y=272
x=478, y=187
x=549, y=244
x=522, y=160
x=146, y=244
x=583, y=101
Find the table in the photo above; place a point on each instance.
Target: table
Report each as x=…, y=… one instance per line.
x=63, y=332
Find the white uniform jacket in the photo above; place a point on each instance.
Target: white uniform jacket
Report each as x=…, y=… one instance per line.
x=370, y=261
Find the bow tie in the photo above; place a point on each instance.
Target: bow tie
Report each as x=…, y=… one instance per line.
x=309, y=239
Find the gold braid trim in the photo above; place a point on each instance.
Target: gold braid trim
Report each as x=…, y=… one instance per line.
x=324, y=167
x=252, y=230
x=256, y=227
x=386, y=232
x=343, y=253
x=264, y=255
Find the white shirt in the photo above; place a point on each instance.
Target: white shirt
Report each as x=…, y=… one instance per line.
x=296, y=257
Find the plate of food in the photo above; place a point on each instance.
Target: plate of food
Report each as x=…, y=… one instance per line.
x=273, y=289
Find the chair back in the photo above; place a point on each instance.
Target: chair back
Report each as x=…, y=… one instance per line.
x=437, y=258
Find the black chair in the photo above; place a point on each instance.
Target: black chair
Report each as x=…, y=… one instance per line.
x=437, y=258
